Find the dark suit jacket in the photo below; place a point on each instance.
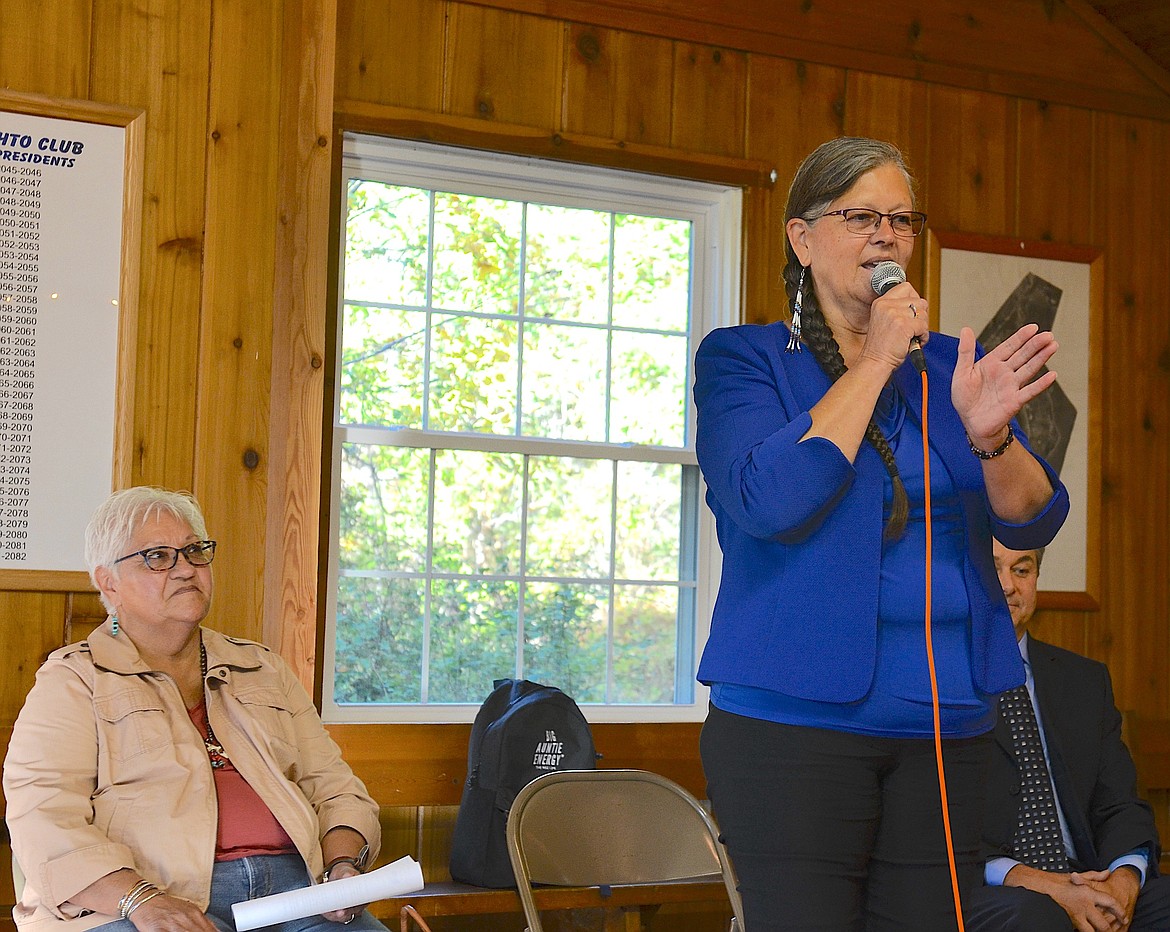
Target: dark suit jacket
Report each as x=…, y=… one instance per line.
x=1092, y=769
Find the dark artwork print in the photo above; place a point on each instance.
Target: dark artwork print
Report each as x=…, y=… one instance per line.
x=1048, y=420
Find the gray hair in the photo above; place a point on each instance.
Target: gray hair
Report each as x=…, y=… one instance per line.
x=826, y=173
x=118, y=518
x=832, y=169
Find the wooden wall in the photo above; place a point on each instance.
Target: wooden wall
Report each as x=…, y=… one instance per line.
x=1030, y=119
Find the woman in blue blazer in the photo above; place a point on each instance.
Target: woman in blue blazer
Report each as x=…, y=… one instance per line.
x=818, y=748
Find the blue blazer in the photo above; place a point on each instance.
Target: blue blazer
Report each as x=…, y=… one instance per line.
x=800, y=526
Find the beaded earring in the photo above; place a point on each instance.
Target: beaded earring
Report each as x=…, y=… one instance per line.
x=114, y=625
x=794, y=339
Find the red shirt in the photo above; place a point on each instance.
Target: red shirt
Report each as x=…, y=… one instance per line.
x=247, y=826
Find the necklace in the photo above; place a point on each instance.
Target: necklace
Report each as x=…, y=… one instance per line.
x=214, y=749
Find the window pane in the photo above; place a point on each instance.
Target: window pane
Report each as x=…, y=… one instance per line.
x=386, y=244
x=473, y=637
x=651, y=271
x=648, y=521
x=477, y=254
x=379, y=640
x=645, y=632
x=514, y=344
x=382, y=366
x=473, y=375
x=567, y=264
x=478, y=501
x=565, y=627
x=564, y=382
x=569, y=503
x=383, y=519
x=649, y=389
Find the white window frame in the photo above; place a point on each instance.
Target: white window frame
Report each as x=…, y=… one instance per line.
x=716, y=214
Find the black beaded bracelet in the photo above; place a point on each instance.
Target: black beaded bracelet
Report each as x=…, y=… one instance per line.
x=998, y=451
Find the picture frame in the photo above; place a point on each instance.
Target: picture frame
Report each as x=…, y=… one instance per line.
x=71, y=175
x=995, y=284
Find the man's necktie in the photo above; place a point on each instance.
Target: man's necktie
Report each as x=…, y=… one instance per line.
x=1037, y=841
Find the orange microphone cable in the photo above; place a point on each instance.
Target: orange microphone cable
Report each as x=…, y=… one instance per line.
x=942, y=780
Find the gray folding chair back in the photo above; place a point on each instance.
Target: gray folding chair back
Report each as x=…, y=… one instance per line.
x=609, y=827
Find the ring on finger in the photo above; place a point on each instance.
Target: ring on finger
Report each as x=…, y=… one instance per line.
x=913, y=310
x=352, y=917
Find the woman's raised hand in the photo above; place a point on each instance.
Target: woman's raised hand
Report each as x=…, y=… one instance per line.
x=987, y=394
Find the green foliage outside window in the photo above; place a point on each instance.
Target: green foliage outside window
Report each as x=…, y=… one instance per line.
x=459, y=562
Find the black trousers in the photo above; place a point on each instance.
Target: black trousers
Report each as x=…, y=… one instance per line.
x=837, y=832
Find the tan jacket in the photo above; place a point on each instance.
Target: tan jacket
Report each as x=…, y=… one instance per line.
x=105, y=771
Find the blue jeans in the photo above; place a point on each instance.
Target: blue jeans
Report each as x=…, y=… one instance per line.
x=250, y=878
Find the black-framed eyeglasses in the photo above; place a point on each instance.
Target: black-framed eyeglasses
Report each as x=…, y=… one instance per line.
x=161, y=559
x=865, y=222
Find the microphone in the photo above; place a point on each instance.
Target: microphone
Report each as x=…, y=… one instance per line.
x=885, y=276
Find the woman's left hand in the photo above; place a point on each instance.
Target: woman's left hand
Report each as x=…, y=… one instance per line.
x=350, y=913
x=987, y=394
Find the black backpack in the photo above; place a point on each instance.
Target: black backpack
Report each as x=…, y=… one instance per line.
x=522, y=730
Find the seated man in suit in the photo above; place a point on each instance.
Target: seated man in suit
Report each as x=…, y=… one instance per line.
x=1094, y=864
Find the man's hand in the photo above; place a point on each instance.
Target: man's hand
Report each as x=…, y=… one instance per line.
x=1088, y=902
x=1123, y=884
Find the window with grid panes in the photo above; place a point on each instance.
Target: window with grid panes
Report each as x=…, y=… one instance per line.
x=515, y=491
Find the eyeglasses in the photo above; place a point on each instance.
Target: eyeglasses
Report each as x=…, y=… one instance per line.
x=161, y=559
x=865, y=222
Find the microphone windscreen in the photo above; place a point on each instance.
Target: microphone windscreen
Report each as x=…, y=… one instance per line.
x=886, y=275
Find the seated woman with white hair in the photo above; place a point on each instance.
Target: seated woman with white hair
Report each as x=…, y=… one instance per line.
x=160, y=771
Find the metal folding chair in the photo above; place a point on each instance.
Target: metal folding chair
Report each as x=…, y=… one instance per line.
x=612, y=827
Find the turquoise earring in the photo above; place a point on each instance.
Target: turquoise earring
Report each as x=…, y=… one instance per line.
x=114, y=625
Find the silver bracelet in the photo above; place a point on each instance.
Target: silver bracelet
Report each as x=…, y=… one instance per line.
x=128, y=898
x=139, y=895
x=149, y=896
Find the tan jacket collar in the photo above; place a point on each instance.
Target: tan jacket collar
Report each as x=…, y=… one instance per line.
x=119, y=655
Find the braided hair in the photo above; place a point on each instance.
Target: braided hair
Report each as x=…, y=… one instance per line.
x=827, y=173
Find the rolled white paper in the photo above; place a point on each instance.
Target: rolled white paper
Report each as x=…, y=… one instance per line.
x=402, y=877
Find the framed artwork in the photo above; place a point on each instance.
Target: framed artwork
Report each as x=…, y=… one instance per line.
x=995, y=285
x=70, y=216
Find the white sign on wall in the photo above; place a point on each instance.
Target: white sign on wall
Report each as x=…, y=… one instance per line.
x=62, y=242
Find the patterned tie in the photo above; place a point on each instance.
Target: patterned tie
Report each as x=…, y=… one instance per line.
x=1037, y=841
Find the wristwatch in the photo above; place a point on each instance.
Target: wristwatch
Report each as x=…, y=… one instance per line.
x=359, y=862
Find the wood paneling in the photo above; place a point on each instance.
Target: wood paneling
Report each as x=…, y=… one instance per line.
x=394, y=52
x=1131, y=631
x=236, y=314
x=155, y=56
x=1053, y=142
x=33, y=625
x=618, y=85
x=542, y=143
x=301, y=263
x=972, y=180
x=503, y=66
x=46, y=47
x=1053, y=50
x=708, y=109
